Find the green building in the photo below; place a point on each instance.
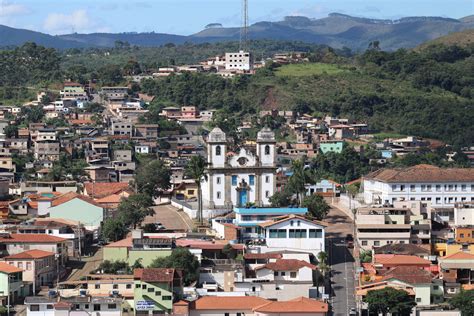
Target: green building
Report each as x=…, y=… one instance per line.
x=334, y=147
x=77, y=207
x=138, y=247
x=156, y=289
x=11, y=284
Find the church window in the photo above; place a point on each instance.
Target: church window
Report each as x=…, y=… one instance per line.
x=267, y=179
x=267, y=194
x=234, y=180
x=252, y=180
x=267, y=150
x=218, y=150
x=218, y=180
x=218, y=194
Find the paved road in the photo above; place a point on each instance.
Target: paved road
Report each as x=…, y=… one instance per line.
x=90, y=263
x=341, y=261
x=170, y=218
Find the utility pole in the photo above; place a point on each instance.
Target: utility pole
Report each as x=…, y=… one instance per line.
x=80, y=232
x=244, y=29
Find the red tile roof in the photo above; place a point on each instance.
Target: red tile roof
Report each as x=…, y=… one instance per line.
x=400, y=260
x=459, y=256
x=287, y=265
x=229, y=303
x=7, y=268
x=297, y=305
x=155, y=274
x=408, y=274
x=31, y=254
x=99, y=190
x=423, y=173
x=30, y=238
x=71, y=196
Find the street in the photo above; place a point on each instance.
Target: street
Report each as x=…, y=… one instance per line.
x=171, y=218
x=341, y=261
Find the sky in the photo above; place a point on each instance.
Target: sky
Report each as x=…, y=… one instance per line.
x=185, y=17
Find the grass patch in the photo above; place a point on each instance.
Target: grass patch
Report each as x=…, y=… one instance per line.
x=382, y=136
x=308, y=69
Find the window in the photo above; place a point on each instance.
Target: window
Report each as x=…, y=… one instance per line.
x=315, y=233
x=412, y=187
x=96, y=307
x=234, y=180
x=267, y=150
x=28, y=266
x=435, y=287
x=158, y=293
x=20, y=265
x=166, y=298
x=364, y=242
x=49, y=306
x=112, y=306
x=267, y=194
x=297, y=233
x=246, y=218
x=218, y=150
x=218, y=180
x=97, y=286
x=267, y=179
x=277, y=233
x=293, y=275
x=463, y=187
x=144, y=286
x=34, y=308
x=218, y=194
x=128, y=286
x=150, y=290
x=418, y=299
x=275, y=273
x=226, y=314
x=376, y=243
x=115, y=286
x=252, y=180
x=291, y=223
x=137, y=286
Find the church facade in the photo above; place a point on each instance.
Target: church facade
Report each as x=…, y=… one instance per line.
x=246, y=176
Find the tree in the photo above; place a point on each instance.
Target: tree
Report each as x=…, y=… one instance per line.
x=110, y=74
x=152, y=177
x=196, y=169
x=10, y=131
x=114, y=229
x=365, y=256
x=180, y=258
x=133, y=210
x=281, y=198
x=464, y=301
x=323, y=268
x=389, y=300
x=298, y=180
x=317, y=206
x=229, y=251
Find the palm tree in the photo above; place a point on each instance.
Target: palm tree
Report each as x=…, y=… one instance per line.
x=300, y=177
x=323, y=269
x=196, y=169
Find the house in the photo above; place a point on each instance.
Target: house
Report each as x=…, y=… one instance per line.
x=121, y=127
x=99, y=285
x=443, y=187
x=138, y=246
x=406, y=222
x=236, y=179
x=39, y=267
x=147, y=131
x=456, y=270
x=189, y=112
x=156, y=288
x=47, y=150
x=239, y=61
x=249, y=219
x=294, y=233
x=80, y=208
x=12, y=244
x=331, y=147
x=11, y=284
x=464, y=214
x=78, y=305
x=250, y=306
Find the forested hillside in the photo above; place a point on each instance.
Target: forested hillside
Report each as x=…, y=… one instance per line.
x=428, y=92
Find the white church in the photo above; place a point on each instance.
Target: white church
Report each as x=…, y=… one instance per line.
x=236, y=178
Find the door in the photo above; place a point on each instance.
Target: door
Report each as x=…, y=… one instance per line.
x=243, y=198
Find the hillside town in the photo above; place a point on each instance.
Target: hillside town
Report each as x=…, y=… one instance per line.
x=104, y=212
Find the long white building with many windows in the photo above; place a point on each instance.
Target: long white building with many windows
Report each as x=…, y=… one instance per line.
x=443, y=187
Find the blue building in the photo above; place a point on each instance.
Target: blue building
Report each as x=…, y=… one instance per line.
x=249, y=219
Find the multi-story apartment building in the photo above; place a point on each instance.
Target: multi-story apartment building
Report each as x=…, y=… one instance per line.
x=406, y=222
x=121, y=127
x=443, y=187
x=241, y=61
x=148, y=131
x=47, y=150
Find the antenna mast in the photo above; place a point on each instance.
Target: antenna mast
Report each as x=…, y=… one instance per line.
x=244, y=30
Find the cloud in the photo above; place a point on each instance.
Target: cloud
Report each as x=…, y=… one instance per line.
x=8, y=9
x=372, y=9
x=78, y=21
x=310, y=11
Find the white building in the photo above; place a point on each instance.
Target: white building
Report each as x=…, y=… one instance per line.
x=242, y=176
x=242, y=61
x=443, y=187
x=464, y=214
x=294, y=233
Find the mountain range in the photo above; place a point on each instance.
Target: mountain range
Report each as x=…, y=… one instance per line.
x=336, y=30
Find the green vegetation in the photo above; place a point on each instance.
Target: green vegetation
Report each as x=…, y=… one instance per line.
x=301, y=70
x=464, y=301
x=181, y=258
x=389, y=300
